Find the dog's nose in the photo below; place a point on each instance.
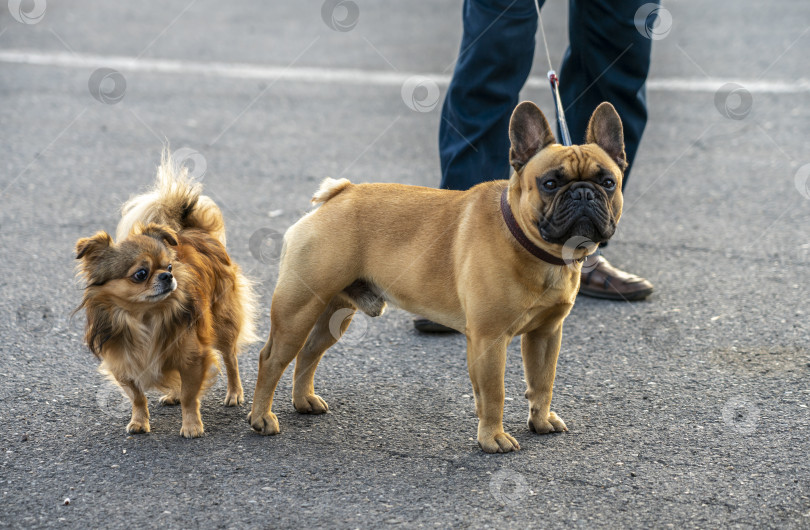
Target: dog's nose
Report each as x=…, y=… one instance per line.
x=165, y=276
x=582, y=192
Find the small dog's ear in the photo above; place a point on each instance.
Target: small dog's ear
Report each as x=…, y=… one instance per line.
x=605, y=130
x=90, y=248
x=161, y=233
x=529, y=132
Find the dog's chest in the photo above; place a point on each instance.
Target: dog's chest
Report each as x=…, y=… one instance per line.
x=140, y=360
x=546, y=316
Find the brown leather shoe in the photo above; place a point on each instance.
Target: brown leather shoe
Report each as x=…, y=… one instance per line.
x=600, y=279
x=426, y=325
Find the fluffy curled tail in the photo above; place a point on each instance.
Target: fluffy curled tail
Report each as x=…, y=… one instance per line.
x=175, y=200
x=328, y=189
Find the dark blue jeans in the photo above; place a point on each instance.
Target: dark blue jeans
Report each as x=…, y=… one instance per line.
x=607, y=60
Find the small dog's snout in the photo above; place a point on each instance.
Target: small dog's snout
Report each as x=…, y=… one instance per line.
x=582, y=192
x=165, y=276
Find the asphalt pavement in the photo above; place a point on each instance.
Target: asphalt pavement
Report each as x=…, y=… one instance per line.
x=689, y=409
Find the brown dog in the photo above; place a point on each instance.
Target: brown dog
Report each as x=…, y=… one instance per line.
x=488, y=262
x=164, y=298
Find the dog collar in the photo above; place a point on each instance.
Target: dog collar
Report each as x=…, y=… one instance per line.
x=521, y=237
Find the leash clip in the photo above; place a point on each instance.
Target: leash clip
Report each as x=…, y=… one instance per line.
x=565, y=136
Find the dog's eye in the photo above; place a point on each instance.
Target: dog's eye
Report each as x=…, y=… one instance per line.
x=169, y=267
x=140, y=275
x=608, y=184
x=550, y=185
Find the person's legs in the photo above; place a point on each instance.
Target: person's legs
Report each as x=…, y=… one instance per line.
x=494, y=61
x=608, y=59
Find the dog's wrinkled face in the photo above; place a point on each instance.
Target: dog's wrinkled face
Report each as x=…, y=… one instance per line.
x=568, y=192
x=136, y=271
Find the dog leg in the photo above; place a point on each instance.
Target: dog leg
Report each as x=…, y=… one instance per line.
x=229, y=326
x=139, y=422
x=486, y=362
x=235, y=395
x=290, y=328
x=540, y=350
x=192, y=376
x=170, y=398
x=172, y=395
x=322, y=337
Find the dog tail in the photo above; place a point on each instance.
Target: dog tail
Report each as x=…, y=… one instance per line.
x=329, y=188
x=175, y=200
x=248, y=311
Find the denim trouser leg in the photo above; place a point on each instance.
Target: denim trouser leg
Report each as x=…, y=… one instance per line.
x=494, y=62
x=607, y=60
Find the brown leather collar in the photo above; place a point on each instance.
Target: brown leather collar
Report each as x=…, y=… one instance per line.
x=521, y=237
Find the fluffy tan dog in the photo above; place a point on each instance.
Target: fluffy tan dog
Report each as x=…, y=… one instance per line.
x=164, y=298
x=490, y=262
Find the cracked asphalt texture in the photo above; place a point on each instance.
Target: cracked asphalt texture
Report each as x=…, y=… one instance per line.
x=689, y=409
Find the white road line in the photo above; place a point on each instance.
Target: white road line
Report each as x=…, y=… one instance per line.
x=346, y=75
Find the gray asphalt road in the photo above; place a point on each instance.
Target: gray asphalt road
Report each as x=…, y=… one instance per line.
x=689, y=409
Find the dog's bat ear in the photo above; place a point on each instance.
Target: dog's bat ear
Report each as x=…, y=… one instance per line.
x=161, y=233
x=605, y=130
x=90, y=248
x=529, y=132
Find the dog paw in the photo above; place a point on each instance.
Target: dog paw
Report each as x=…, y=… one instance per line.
x=498, y=443
x=551, y=424
x=138, y=427
x=266, y=423
x=311, y=404
x=169, y=400
x=191, y=430
x=233, y=399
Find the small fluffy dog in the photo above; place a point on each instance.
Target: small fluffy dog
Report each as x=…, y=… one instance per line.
x=164, y=296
